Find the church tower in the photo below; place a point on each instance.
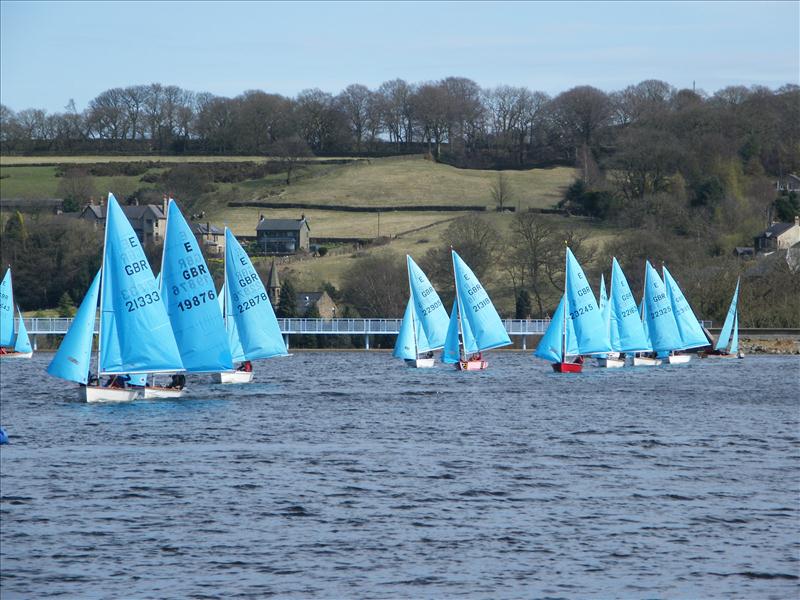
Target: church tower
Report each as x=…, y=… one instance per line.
x=274, y=286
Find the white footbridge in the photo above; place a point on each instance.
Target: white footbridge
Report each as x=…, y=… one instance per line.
x=359, y=327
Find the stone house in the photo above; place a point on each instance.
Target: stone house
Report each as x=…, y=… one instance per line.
x=779, y=236
x=148, y=221
x=210, y=237
x=283, y=236
x=325, y=305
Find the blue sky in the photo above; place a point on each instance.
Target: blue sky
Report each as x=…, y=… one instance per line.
x=51, y=52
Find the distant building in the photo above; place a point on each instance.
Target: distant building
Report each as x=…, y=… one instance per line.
x=779, y=236
x=274, y=286
x=210, y=237
x=283, y=236
x=789, y=183
x=148, y=221
x=324, y=303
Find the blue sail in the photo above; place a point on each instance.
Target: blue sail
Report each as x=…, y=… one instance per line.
x=551, y=346
x=730, y=320
x=74, y=355
x=627, y=334
x=135, y=331
x=657, y=319
x=691, y=333
x=231, y=332
x=6, y=311
x=605, y=309
x=22, y=343
x=735, y=337
x=582, y=310
x=476, y=309
x=428, y=308
x=456, y=330
x=248, y=304
x=411, y=340
x=191, y=300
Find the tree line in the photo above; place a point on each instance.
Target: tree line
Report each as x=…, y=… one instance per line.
x=454, y=119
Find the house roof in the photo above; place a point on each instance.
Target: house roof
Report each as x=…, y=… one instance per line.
x=305, y=300
x=132, y=212
x=776, y=229
x=282, y=225
x=206, y=228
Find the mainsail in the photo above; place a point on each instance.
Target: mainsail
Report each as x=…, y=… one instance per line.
x=190, y=298
x=6, y=311
x=135, y=331
x=248, y=306
x=428, y=308
x=656, y=313
x=476, y=310
x=22, y=343
x=689, y=329
x=627, y=334
x=729, y=335
x=581, y=308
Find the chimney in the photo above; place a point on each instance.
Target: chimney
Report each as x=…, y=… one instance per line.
x=797, y=220
x=164, y=205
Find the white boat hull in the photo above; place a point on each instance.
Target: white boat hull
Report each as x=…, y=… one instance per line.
x=420, y=363
x=91, y=393
x=233, y=377
x=610, y=363
x=17, y=355
x=645, y=361
x=162, y=392
x=679, y=359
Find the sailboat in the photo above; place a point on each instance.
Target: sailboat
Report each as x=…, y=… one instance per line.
x=187, y=288
x=474, y=324
x=136, y=337
x=425, y=322
x=252, y=328
x=12, y=345
x=727, y=345
x=626, y=334
x=577, y=327
x=658, y=321
x=689, y=330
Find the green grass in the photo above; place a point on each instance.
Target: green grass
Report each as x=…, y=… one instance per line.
x=33, y=183
x=416, y=181
x=82, y=160
x=28, y=182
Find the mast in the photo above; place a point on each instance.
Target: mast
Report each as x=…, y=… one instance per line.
x=413, y=312
x=225, y=287
x=102, y=289
x=566, y=307
x=458, y=307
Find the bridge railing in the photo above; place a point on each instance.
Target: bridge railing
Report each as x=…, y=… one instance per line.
x=60, y=325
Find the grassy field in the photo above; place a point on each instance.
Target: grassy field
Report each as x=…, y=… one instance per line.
x=7, y=161
x=414, y=180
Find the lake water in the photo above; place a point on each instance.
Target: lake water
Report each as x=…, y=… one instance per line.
x=346, y=475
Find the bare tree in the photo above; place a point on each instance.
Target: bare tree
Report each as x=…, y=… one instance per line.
x=501, y=190
x=354, y=103
x=290, y=150
x=76, y=188
x=580, y=114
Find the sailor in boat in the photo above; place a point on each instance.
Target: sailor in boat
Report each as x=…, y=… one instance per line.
x=178, y=382
x=118, y=381
x=476, y=356
x=246, y=366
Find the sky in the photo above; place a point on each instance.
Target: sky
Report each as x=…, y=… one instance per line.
x=54, y=52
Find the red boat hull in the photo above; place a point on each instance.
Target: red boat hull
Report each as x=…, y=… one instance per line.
x=471, y=365
x=565, y=367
